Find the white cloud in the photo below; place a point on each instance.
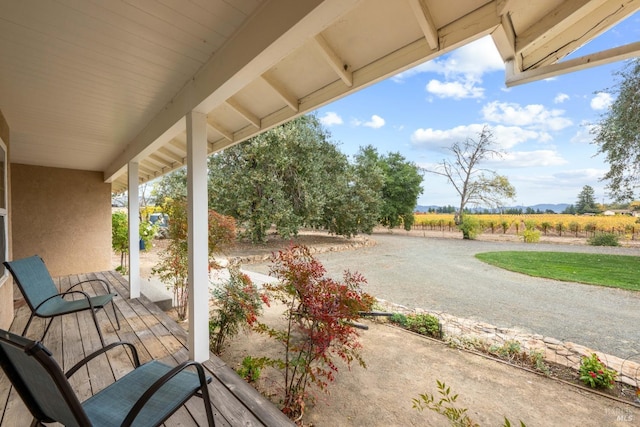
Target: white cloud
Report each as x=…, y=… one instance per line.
x=509, y=136
x=462, y=69
x=533, y=115
x=536, y=158
x=331, y=119
x=505, y=136
x=455, y=90
x=601, y=101
x=584, y=135
x=560, y=98
x=580, y=175
x=376, y=122
x=472, y=60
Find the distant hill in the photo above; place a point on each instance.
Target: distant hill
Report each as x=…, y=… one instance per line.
x=557, y=208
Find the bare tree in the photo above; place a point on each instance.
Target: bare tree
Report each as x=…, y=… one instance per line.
x=474, y=184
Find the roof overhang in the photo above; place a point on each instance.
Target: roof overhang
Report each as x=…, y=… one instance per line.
x=96, y=87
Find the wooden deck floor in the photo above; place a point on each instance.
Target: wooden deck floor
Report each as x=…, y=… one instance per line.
x=156, y=336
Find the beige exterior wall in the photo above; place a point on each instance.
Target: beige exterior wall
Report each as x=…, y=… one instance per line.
x=62, y=215
x=6, y=289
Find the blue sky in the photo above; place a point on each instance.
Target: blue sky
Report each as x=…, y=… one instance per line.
x=543, y=126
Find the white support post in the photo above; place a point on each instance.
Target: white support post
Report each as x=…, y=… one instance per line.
x=198, y=236
x=134, y=231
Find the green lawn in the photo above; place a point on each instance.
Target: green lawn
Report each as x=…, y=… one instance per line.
x=616, y=271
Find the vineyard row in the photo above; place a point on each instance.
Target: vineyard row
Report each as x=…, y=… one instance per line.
x=548, y=224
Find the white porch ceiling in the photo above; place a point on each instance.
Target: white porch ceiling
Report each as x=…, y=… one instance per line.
x=93, y=85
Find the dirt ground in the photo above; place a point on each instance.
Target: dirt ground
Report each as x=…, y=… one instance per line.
x=402, y=365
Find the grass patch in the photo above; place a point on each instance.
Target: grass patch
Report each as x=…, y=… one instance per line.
x=615, y=271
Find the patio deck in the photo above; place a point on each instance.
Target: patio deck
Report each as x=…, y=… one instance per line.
x=156, y=336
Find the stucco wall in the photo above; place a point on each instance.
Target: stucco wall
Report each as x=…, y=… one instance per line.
x=6, y=290
x=62, y=215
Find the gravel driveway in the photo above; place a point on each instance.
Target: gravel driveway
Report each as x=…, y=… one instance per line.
x=443, y=275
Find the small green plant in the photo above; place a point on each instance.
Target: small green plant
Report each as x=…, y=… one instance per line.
x=509, y=350
x=424, y=324
x=398, y=319
x=595, y=374
x=604, y=239
x=537, y=358
x=251, y=368
x=238, y=303
x=447, y=406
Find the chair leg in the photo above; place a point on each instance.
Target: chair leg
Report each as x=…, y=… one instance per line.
x=115, y=314
x=95, y=320
x=47, y=329
x=24, y=331
x=207, y=404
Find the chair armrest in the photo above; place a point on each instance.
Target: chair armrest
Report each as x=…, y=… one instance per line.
x=84, y=294
x=92, y=280
x=80, y=364
x=135, y=410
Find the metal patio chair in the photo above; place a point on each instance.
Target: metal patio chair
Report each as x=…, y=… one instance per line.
x=41, y=294
x=146, y=396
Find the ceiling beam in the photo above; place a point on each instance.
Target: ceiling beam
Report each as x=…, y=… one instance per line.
x=567, y=13
x=280, y=90
x=276, y=29
x=164, y=163
x=172, y=155
x=425, y=20
x=472, y=26
x=548, y=51
x=246, y=114
x=336, y=63
x=514, y=78
x=505, y=39
x=215, y=127
x=503, y=7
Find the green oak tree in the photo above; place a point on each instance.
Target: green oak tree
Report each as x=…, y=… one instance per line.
x=356, y=200
x=402, y=186
x=291, y=176
x=618, y=134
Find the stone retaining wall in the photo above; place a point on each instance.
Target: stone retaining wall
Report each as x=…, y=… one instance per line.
x=465, y=332
x=355, y=243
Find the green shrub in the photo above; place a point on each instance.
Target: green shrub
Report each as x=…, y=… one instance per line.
x=508, y=350
x=470, y=227
x=595, y=374
x=251, y=368
x=603, y=239
x=238, y=304
x=399, y=319
x=531, y=236
x=424, y=324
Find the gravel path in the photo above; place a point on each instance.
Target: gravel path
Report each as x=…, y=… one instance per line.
x=443, y=275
